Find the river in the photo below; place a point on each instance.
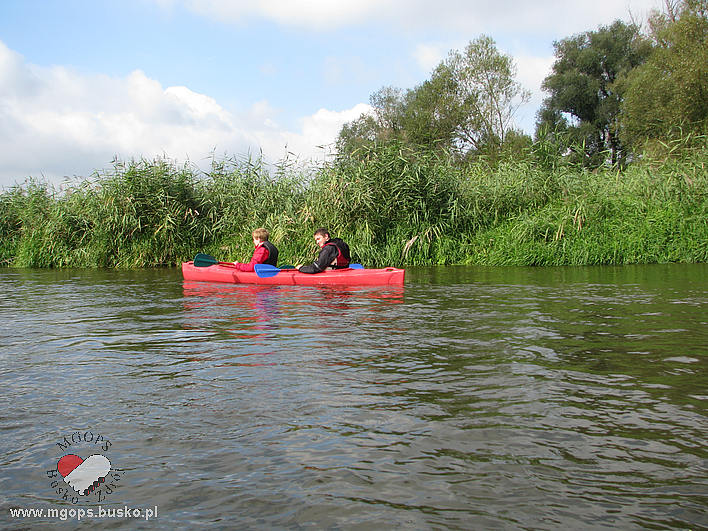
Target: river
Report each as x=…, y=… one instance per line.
x=470, y=398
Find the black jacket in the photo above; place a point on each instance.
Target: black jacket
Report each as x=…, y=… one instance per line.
x=335, y=247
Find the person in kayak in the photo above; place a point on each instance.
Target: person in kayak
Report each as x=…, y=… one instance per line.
x=334, y=254
x=264, y=252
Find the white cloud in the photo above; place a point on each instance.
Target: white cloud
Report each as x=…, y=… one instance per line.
x=428, y=56
x=473, y=16
x=542, y=17
x=315, y=140
x=55, y=122
x=321, y=129
x=319, y=14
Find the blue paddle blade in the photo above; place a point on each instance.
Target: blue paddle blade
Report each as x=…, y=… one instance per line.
x=265, y=270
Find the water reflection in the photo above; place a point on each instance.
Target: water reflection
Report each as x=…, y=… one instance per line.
x=264, y=305
x=278, y=320
x=250, y=307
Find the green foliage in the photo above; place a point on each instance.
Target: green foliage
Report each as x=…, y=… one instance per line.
x=357, y=134
x=668, y=95
x=144, y=213
x=466, y=106
x=484, y=95
x=655, y=211
x=584, y=86
x=395, y=206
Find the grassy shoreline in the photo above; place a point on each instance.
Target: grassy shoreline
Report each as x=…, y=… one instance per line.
x=394, y=207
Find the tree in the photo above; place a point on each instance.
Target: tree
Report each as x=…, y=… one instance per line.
x=478, y=96
x=356, y=134
x=388, y=107
x=585, y=97
x=670, y=91
x=430, y=117
x=467, y=105
x=384, y=123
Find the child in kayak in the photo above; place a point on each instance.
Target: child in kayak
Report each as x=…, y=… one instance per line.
x=264, y=252
x=334, y=254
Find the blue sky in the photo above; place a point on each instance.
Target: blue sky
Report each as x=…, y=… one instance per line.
x=84, y=81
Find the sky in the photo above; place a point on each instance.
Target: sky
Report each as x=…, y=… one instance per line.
x=85, y=82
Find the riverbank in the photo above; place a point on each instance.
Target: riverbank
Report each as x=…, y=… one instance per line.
x=395, y=207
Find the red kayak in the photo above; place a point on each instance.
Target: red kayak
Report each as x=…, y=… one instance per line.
x=389, y=276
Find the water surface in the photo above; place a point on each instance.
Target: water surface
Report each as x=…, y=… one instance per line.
x=476, y=398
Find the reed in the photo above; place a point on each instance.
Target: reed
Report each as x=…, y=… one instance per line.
x=654, y=211
x=393, y=204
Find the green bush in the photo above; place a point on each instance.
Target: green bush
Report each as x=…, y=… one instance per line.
x=394, y=205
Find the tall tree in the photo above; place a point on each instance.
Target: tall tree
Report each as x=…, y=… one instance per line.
x=388, y=107
x=431, y=117
x=584, y=96
x=486, y=95
x=384, y=123
x=468, y=104
x=670, y=91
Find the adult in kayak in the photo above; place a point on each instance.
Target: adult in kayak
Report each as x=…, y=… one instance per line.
x=334, y=254
x=264, y=252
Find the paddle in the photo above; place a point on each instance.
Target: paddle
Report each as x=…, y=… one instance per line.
x=205, y=260
x=267, y=271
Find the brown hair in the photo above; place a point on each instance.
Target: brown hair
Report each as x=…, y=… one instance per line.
x=321, y=231
x=261, y=234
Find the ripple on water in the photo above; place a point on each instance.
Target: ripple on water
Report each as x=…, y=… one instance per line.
x=499, y=399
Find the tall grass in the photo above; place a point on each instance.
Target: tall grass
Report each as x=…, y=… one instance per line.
x=394, y=205
x=655, y=211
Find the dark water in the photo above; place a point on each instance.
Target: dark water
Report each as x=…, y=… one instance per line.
x=504, y=398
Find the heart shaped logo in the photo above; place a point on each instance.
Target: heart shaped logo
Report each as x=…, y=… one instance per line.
x=84, y=475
